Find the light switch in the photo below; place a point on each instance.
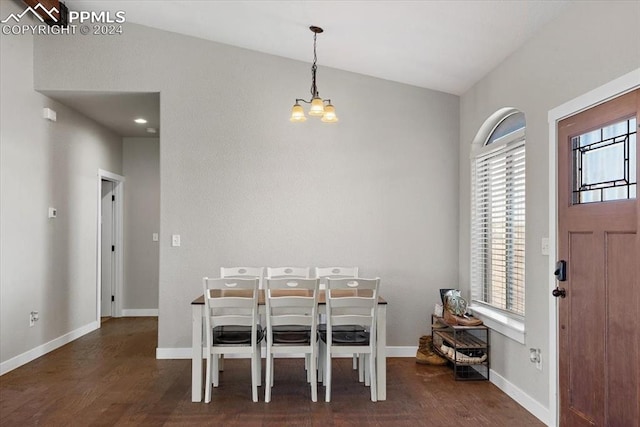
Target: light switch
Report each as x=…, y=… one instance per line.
x=53, y=212
x=175, y=240
x=544, y=246
x=155, y=237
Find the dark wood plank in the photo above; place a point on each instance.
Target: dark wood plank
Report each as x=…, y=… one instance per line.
x=111, y=377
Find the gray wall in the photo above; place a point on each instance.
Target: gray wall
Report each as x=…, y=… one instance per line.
x=591, y=44
x=243, y=185
x=47, y=265
x=141, y=167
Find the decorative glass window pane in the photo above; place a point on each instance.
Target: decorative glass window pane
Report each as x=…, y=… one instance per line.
x=604, y=163
x=510, y=124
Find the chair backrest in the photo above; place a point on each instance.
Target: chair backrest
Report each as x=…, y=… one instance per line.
x=324, y=273
x=291, y=272
x=244, y=273
x=231, y=302
x=292, y=301
x=352, y=301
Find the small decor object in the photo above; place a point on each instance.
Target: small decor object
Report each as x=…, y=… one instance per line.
x=443, y=292
x=455, y=308
x=319, y=107
x=455, y=303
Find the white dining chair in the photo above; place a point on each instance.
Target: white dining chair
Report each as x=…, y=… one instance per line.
x=244, y=273
x=290, y=272
x=292, y=322
x=231, y=320
x=352, y=307
x=324, y=273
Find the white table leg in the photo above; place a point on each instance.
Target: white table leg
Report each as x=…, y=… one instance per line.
x=381, y=356
x=196, y=352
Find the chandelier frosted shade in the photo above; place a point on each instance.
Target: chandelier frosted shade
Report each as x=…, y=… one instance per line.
x=318, y=107
x=297, y=114
x=329, y=115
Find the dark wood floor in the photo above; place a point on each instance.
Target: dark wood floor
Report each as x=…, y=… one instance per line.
x=111, y=377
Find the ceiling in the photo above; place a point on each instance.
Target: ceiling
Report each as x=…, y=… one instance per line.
x=437, y=44
x=115, y=110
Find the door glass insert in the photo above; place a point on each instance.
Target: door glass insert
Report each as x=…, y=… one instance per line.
x=604, y=163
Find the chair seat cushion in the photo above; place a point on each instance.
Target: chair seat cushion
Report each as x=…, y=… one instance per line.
x=345, y=334
x=235, y=335
x=291, y=334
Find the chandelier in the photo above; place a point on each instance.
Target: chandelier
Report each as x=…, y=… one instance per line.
x=319, y=107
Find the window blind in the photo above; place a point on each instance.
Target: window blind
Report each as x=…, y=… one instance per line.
x=498, y=227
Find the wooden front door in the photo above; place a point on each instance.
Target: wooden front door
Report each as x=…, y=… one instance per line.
x=599, y=319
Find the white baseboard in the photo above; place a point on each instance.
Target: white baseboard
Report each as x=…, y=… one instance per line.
x=409, y=351
x=173, y=353
x=26, y=357
x=185, y=352
x=523, y=399
x=140, y=312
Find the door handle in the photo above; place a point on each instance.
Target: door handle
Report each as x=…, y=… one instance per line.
x=561, y=276
x=561, y=271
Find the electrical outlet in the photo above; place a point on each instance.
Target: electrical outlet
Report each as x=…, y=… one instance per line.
x=539, y=362
x=535, y=356
x=175, y=240
x=33, y=318
x=154, y=237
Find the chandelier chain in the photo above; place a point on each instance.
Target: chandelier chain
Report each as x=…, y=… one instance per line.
x=314, y=88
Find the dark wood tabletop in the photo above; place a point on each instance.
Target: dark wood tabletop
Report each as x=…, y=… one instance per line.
x=321, y=297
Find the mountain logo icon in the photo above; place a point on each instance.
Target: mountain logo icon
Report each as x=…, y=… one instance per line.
x=34, y=11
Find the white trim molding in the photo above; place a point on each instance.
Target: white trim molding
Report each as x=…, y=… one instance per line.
x=614, y=88
x=522, y=398
x=118, y=192
x=34, y=353
x=140, y=312
x=500, y=322
x=397, y=351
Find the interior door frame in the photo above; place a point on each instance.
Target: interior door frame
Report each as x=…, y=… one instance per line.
x=107, y=231
x=118, y=223
x=606, y=92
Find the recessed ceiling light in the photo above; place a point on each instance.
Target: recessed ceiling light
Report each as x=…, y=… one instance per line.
x=140, y=121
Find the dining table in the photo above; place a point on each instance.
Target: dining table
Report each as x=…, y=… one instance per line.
x=198, y=352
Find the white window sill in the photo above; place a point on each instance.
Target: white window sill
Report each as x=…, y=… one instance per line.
x=500, y=322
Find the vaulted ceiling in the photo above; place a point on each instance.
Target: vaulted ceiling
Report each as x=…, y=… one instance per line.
x=442, y=45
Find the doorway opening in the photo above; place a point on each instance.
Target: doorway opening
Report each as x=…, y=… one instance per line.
x=110, y=271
